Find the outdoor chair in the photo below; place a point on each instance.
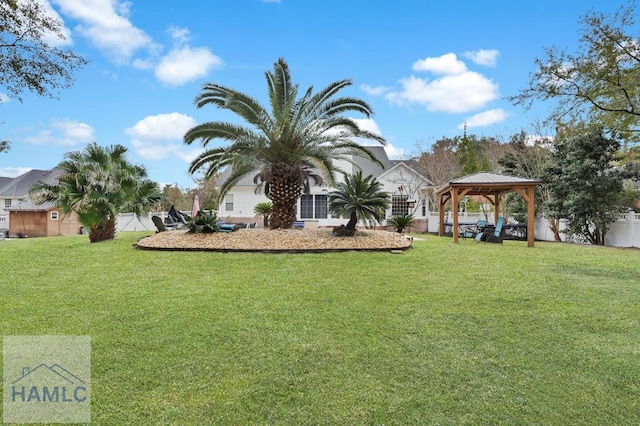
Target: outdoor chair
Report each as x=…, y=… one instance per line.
x=473, y=231
x=177, y=216
x=158, y=223
x=494, y=235
x=170, y=223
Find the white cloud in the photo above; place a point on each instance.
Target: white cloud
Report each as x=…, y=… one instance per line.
x=105, y=23
x=161, y=127
x=180, y=35
x=485, y=118
x=452, y=94
x=374, y=91
x=369, y=125
x=67, y=133
x=156, y=137
x=455, y=90
x=13, y=171
x=50, y=38
x=485, y=57
x=186, y=64
x=443, y=65
x=4, y=98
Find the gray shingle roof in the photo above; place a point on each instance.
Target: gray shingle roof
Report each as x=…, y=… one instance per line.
x=19, y=186
x=489, y=178
x=368, y=167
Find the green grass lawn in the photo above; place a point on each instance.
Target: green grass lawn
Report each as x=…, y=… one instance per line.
x=441, y=334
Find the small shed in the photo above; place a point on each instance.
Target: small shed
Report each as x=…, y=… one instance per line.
x=41, y=220
x=493, y=187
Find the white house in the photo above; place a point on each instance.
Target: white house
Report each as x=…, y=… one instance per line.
x=400, y=178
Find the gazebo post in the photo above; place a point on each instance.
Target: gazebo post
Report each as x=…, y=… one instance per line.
x=441, y=224
x=454, y=207
x=531, y=215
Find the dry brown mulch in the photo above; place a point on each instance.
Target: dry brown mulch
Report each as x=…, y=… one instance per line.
x=289, y=240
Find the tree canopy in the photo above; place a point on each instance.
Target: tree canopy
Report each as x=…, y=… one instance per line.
x=28, y=61
x=584, y=182
x=599, y=82
x=97, y=184
x=358, y=197
x=287, y=147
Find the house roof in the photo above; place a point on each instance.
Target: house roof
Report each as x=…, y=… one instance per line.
x=367, y=166
x=411, y=165
x=4, y=181
x=20, y=186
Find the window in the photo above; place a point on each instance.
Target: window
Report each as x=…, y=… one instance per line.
x=54, y=215
x=228, y=202
x=306, y=207
x=399, y=205
x=313, y=207
x=321, y=207
x=7, y=202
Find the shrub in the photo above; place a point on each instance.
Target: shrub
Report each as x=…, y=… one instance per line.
x=401, y=221
x=203, y=223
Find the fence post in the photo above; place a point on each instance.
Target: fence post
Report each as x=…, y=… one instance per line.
x=631, y=219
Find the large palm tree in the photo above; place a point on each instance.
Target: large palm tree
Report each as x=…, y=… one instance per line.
x=359, y=198
x=97, y=184
x=286, y=148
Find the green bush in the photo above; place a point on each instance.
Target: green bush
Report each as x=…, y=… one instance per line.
x=203, y=223
x=401, y=221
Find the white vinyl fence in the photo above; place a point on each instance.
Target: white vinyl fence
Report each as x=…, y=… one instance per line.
x=624, y=232
x=129, y=222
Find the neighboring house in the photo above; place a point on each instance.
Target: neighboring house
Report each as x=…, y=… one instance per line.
x=400, y=178
x=20, y=216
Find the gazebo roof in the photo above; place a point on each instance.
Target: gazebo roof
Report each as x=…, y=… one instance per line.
x=483, y=183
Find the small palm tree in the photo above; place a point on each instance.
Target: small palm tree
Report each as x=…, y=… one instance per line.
x=401, y=221
x=97, y=184
x=359, y=198
x=287, y=147
x=263, y=209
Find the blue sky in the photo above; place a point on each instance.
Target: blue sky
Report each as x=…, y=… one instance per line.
x=426, y=67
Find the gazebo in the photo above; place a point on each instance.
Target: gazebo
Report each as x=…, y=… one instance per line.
x=493, y=187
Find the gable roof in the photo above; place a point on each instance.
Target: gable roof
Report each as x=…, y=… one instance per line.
x=367, y=166
x=20, y=186
x=408, y=165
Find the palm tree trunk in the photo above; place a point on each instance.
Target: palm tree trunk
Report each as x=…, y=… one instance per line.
x=284, y=194
x=105, y=230
x=353, y=220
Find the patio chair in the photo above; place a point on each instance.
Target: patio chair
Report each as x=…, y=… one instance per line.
x=494, y=235
x=157, y=221
x=473, y=231
x=170, y=223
